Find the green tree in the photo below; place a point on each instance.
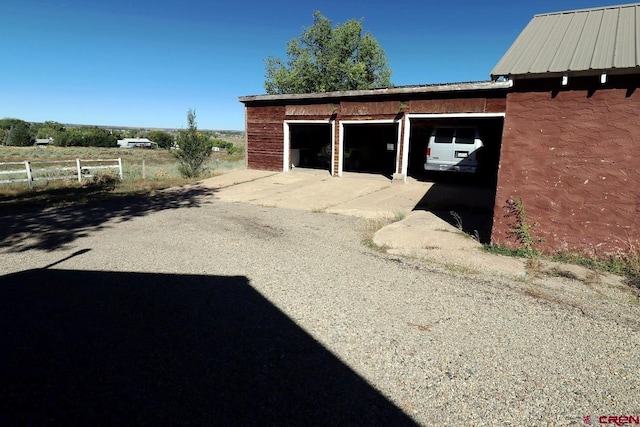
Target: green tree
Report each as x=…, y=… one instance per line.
x=20, y=135
x=98, y=137
x=86, y=137
x=162, y=138
x=48, y=129
x=70, y=137
x=224, y=145
x=193, y=149
x=327, y=58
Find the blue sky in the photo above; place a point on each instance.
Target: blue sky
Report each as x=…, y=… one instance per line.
x=144, y=63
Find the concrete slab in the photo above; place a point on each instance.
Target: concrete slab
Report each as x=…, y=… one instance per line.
x=302, y=189
x=420, y=234
x=235, y=177
x=391, y=200
x=424, y=235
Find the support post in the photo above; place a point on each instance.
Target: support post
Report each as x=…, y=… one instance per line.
x=79, y=170
x=27, y=166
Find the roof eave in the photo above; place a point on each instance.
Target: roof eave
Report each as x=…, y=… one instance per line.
x=405, y=90
x=570, y=73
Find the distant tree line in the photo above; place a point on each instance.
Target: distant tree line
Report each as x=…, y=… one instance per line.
x=20, y=133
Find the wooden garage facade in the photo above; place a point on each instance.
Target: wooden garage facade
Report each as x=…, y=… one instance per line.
x=269, y=117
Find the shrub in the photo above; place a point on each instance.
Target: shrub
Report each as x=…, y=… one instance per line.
x=193, y=149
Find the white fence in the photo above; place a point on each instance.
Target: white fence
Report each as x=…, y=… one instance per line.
x=28, y=171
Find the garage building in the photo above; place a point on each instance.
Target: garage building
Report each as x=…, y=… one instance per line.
x=559, y=122
x=376, y=131
x=571, y=140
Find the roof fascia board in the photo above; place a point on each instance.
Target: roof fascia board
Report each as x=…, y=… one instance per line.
x=586, y=73
x=591, y=9
x=451, y=87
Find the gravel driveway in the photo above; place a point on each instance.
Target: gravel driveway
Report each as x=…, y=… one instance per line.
x=197, y=311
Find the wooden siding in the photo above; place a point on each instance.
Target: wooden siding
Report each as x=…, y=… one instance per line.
x=495, y=105
x=322, y=110
x=461, y=105
x=370, y=108
x=265, y=137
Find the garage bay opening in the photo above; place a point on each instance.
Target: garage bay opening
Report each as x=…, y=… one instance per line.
x=310, y=145
x=370, y=148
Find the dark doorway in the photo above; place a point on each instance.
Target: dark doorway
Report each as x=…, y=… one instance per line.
x=310, y=145
x=370, y=148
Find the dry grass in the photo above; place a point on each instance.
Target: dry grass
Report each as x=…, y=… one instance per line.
x=159, y=172
x=540, y=295
x=369, y=229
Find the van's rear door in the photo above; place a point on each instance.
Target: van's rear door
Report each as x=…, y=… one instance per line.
x=465, y=148
x=440, y=150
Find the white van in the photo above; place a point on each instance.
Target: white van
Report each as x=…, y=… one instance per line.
x=453, y=149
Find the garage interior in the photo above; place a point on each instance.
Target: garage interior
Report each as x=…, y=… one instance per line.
x=490, y=132
x=310, y=145
x=370, y=148
x=466, y=201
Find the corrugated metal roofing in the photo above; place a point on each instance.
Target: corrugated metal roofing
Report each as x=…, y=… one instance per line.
x=599, y=39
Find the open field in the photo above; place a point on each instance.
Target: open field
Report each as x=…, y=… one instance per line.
x=142, y=168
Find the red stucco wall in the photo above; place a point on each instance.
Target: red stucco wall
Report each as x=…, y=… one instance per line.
x=573, y=156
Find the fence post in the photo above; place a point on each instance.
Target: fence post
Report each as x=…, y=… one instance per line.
x=79, y=170
x=27, y=166
x=120, y=167
x=144, y=170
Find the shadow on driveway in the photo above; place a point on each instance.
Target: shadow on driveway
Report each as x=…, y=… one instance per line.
x=50, y=229
x=106, y=348
x=464, y=204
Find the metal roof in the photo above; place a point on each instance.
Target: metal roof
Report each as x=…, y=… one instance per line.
x=398, y=90
x=576, y=41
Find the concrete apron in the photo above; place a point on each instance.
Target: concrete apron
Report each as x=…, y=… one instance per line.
x=419, y=233
x=363, y=195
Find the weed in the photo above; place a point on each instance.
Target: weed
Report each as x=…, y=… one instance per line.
x=321, y=209
x=533, y=266
x=504, y=250
x=399, y=216
x=370, y=227
x=458, y=220
x=460, y=269
x=559, y=272
x=625, y=263
x=521, y=229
